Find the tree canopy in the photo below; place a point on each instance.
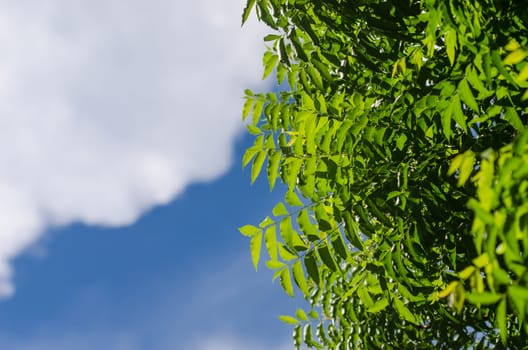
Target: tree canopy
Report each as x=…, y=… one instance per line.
x=399, y=131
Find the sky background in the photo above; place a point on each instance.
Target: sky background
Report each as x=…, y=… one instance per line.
x=120, y=181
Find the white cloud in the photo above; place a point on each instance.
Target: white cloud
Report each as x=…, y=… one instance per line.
x=109, y=107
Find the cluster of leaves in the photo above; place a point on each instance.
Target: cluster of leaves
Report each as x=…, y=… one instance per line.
x=399, y=130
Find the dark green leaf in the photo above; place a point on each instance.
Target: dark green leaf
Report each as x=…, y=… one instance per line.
x=247, y=10
x=311, y=267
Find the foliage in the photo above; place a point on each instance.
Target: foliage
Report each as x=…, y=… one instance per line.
x=399, y=129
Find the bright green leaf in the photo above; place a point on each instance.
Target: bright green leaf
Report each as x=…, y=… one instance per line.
x=299, y=278
x=286, y=283
x=288, y=319
x=270, y=240
x=249, y=230
x=257, y=165
x=254, y=246
x=292, y=199
x=301, y=315
x=280, y=209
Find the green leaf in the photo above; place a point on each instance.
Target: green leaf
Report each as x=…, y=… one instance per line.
x=378, y=306
x=518, y=292
x=313, y=314
x=265, y=15
x=253, y=130
x=254, y=246
x=306, y=225
x=280, y=209
x=327, y=257
x=513, y=118
x=519, y=297
x=448, y=290
x=500, y=321
x=467, y=272
x=292, y=199
x=272, y=37
x=311, y=267
x=445, y=119
x=466, y=168
x=365, y=297
x=270, y=239
x=301, y=315
x=247, y=10
x=467, y=96
x=281, y=73
x=248, y=156
x=351, y=231
x=456, y=112
x=323, y=69
x=247, y=107
x=294, y=167
x=257, y=164
x=286, y=283
x=275, y=265
x=315, y=77
x=288, y=319
x=451, y=44
x=297, y=45
x=515, y=57
x=289, y=235
x=484, y=298
x=285, y=254
x=299, y=278
x=476, y=82
x=297, y=336
x=270, y=61
x=340, y=247
x=253, y=150
x=249, y=230
x=481, y=261
x=273, y=167
x=283, y=52
x=404, y=312
x=257, y=110
x=495, y=57
x=400, y=142
x=266, y=222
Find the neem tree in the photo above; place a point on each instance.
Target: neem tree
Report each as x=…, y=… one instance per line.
x=401, y=137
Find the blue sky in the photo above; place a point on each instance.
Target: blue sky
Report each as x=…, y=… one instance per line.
x=180, y=277
x=120, y=183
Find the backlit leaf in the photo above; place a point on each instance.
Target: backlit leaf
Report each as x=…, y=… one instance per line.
x=254, y=246
x=288, y=319
x=299, y=278
x=249, y=230
x=280, y=209
x=257, y=165
x=270, y=239
x=285, y=281
x=467, y=96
